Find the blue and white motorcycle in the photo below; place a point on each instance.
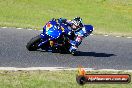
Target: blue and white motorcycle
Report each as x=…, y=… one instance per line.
x=52, y=39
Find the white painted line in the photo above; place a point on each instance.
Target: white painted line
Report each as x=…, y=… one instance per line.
x=106, y=35
x=108, y=70
x=129, y=37
x=4, y=27
x=88, y=69
x=19, y=28
x=118, y=36
x=29, y=29
x=40, y=30
x=35, y=68
x=113, y=70
x=57, y=69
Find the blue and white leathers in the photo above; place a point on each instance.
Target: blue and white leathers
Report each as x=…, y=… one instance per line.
x=80, y=35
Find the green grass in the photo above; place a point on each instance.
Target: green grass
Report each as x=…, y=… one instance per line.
x=107, y=16
x=50, y=79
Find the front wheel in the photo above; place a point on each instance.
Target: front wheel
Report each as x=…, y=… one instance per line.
x=32, y=45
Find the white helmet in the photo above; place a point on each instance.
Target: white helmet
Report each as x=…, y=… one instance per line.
x=77, y=21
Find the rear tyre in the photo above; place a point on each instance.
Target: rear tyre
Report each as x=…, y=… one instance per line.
x=64, y=50
x=32, y=45
x=55, y=50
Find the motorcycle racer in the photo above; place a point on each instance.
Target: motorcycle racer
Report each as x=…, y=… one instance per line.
x=61, y=35
x=76, y=31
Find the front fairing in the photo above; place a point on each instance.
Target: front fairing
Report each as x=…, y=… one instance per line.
x=53, y=32
x=52, y=29
x=45, y=27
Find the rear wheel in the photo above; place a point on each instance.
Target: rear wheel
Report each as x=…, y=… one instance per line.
x=55, y=49
x=64, y=50
x=32, y=45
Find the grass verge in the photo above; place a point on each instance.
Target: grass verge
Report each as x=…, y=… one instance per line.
x=107, y=16
x=50, y=79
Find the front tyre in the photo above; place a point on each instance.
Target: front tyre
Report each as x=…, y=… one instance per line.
x=32, y=45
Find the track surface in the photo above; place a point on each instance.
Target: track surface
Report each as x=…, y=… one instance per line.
x=96, y=52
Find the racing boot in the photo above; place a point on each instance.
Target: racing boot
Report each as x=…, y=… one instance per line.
x=73, y=50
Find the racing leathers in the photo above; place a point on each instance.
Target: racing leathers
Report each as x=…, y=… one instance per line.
x=75, y=36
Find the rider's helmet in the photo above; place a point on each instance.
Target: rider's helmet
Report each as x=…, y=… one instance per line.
x=76, y=23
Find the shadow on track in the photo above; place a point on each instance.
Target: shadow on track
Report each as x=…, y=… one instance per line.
x=94, y=54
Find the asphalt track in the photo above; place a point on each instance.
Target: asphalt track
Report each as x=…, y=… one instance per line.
x=96, y=51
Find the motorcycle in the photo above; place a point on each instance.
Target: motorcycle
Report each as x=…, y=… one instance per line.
x=52, y=39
